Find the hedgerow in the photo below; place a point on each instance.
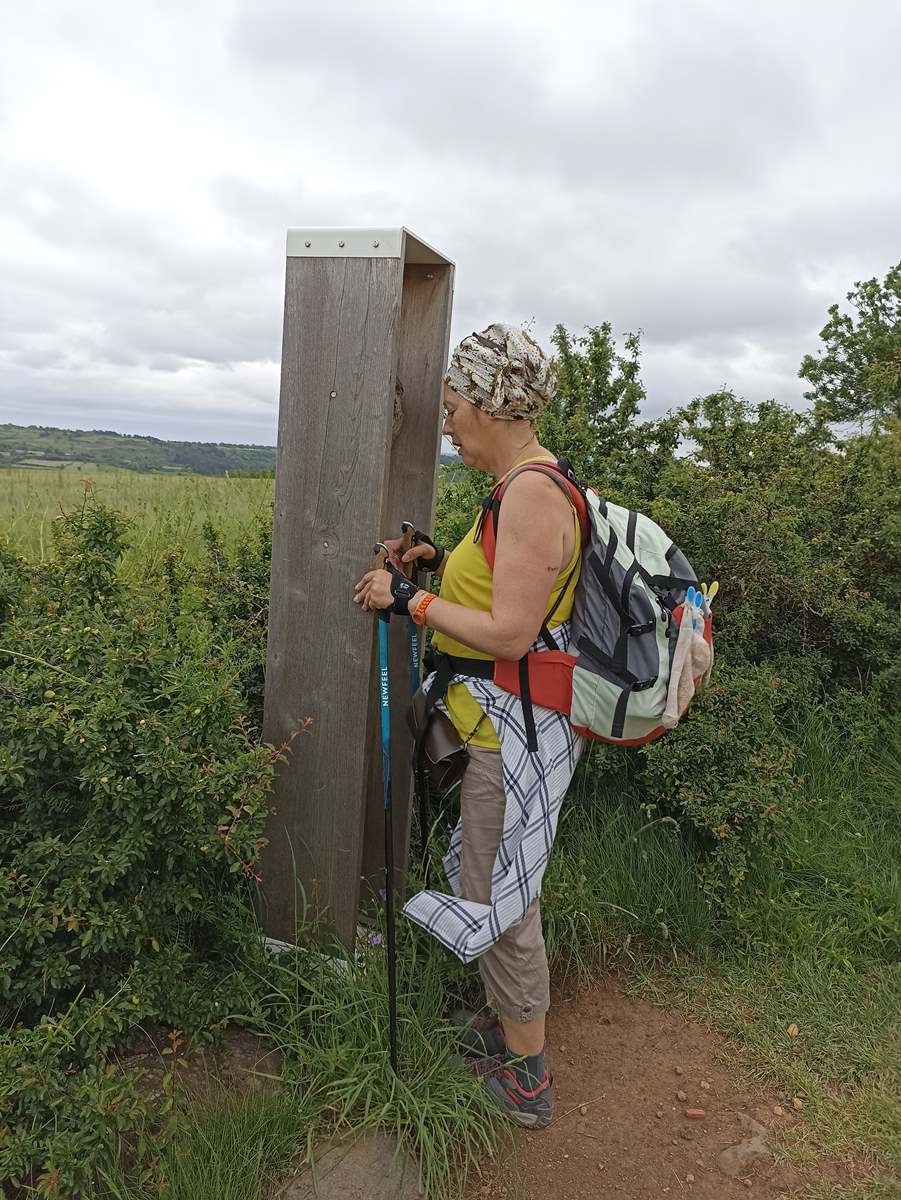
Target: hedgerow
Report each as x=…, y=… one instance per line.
x=132, y=803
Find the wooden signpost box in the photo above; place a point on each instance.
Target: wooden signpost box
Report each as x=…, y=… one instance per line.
x=367, y=320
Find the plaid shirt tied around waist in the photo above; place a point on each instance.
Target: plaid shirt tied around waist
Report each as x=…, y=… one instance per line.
x=534, y=787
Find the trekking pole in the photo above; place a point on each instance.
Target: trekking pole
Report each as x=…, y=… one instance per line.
x=381, y=557
x=408, y=530
x=409, y=539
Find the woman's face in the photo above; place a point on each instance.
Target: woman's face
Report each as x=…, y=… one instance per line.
x=464, y=425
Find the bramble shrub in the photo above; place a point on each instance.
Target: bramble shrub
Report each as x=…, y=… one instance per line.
x=801, y=531
x=132, y=802
x=65, y=1113
x=228, y=589
x=726, y=774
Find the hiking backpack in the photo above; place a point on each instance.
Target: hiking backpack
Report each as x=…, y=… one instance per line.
x=627, y=612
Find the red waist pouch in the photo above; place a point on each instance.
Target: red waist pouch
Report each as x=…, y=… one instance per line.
x=550, y=678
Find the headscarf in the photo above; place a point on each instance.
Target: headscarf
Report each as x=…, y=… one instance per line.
x=502, y=371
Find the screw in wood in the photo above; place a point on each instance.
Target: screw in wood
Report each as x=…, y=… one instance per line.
x=308, y=244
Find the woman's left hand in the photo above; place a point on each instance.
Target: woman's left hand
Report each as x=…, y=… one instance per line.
x=374, y=590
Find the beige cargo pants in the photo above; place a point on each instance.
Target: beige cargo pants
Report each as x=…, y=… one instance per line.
x=514, y=971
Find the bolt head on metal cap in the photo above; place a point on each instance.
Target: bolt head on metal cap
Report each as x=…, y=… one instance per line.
x=350, y=242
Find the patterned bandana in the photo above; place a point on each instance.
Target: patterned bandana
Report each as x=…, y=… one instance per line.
x=502, y=371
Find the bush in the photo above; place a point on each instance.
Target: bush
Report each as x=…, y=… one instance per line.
x=229, y=590
x=132, y=803
x=801, y=532
x=63, y=1114
x=726, y=774
x=460, y=492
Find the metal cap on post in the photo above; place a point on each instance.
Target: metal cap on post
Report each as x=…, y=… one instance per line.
x=366, y=329
x=363, y=243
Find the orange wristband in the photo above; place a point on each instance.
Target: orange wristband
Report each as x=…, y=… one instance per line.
x=418, y=613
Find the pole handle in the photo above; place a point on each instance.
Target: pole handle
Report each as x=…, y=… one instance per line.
x=408, y=535
x=379, y=561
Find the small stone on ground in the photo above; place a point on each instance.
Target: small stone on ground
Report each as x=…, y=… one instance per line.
x=368, y=1169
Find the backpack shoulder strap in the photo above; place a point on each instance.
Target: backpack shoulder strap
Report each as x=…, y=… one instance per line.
x=562, y=475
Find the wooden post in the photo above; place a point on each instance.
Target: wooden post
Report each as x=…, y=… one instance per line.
x=367, y=321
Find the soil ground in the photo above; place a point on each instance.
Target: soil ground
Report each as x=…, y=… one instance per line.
x=621, y=1131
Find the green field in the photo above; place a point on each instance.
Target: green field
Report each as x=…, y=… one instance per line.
x=167, y=509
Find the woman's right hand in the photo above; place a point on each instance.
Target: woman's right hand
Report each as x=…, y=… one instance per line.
x=394, y=546
x=403, y=561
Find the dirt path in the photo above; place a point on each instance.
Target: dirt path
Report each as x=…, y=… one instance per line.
x=621, y=1129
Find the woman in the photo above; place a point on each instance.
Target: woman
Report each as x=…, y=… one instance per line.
x=497, y=385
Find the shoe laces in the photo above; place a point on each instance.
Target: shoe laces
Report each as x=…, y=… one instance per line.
x=486, y=1066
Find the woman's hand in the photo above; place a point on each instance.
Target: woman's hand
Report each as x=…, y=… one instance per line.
x=374, y=590
x=394, y=546
x=381, y=589
x=404, y=561
x=422, y=551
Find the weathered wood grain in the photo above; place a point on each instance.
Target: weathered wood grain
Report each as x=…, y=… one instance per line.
x=356, y=457
x=410, y=495
x=335, y=409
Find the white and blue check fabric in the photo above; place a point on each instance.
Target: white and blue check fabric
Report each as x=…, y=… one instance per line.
x=535, y=785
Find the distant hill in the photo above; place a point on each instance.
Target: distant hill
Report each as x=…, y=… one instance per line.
x=42, y=446
x=39, y=446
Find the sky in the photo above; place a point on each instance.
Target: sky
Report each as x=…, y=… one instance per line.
x=712, y=172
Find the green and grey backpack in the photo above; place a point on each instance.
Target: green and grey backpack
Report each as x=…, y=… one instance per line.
x=619, y=681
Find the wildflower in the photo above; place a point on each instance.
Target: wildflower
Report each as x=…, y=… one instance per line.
x=375, y=939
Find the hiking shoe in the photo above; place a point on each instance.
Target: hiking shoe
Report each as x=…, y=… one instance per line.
x=485, y=1066
x=530, y=1108
x=479, y=1037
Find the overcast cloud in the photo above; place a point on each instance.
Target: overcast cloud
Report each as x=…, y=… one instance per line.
x=713, y=172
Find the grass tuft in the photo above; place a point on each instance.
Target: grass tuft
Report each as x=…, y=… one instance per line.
x=237, y=1148
x=328, y=1017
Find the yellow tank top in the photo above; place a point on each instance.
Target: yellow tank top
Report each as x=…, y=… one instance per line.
x=467, y=580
